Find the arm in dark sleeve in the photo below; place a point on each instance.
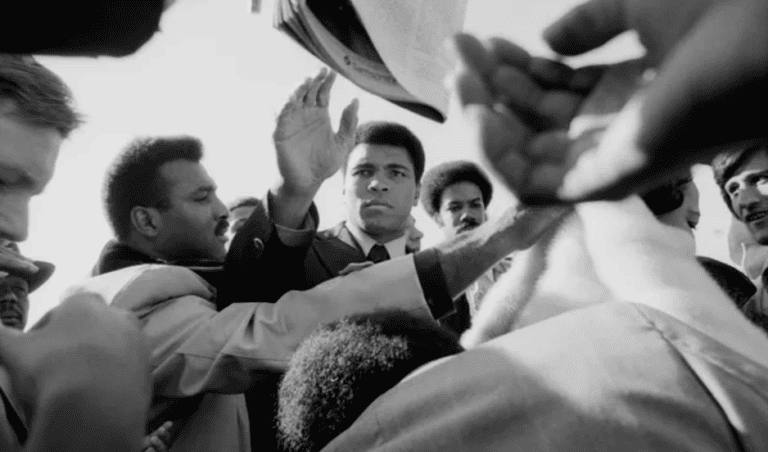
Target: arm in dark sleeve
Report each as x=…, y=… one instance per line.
x=264, y=260
x=81, y=28
x=432, y=280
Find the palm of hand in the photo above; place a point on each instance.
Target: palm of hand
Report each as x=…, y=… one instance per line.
x=308, y=148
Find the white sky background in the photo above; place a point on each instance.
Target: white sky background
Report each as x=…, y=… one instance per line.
x=220, y=73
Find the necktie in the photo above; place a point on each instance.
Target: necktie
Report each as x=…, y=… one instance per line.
x=378, y=254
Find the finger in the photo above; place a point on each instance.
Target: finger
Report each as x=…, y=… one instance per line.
x=552, y=147
x=310, y=98
x=158, y=445
x=501, y=141
x=543, y=109
x=721, y=67
x=586, y=27
x=13, y=262
x=550, y=74
x=504, y=52
x=471, y=89
x=324, y=93
x=473, y=55
x=348, y=121
x=297, y=99
x=545, y=180
x=585, y=78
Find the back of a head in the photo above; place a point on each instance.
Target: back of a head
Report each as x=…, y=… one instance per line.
x=393, y=134
x=344, y=366
x=134, y=178
x=40, y=97
x=446, y=174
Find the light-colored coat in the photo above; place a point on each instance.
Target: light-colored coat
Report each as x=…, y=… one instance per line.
x=197, y=350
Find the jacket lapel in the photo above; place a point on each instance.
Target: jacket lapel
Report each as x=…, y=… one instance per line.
x=14, y=417
x=334, y=252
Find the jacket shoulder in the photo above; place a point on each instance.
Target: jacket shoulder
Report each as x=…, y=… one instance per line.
x=143, y=286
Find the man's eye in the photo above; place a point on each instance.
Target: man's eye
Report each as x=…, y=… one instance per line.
x=363, y=173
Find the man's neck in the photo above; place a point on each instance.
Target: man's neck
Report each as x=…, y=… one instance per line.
x=382, y=238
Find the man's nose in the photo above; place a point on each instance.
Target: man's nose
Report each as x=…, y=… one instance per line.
x=747, y=199
x=378, y=185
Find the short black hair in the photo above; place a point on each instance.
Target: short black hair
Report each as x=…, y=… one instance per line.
x=725, y=165
x=134, y=178
x=392, y=134
x=243, y=201
x=440, y=177
x=342, y=367
x=668, y=196
x=41, y=98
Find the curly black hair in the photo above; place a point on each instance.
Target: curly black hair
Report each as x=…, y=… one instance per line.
x=344, y=366
x=439, y=177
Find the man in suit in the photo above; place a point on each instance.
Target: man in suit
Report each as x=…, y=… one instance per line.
x=381, y=163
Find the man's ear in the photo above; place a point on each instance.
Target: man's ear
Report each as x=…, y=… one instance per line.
x=146, y=220
x=438, y=219
x=416, y=195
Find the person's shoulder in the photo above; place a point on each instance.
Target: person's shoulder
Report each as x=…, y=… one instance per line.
x=138, y=286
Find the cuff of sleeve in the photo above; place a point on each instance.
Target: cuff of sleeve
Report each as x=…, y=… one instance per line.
x=294, y=237
x=433, y=283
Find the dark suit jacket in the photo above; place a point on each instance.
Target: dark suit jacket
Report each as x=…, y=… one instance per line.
x=256, y=249
x=13, y=426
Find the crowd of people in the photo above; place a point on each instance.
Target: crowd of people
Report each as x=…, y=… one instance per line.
x=580, y=319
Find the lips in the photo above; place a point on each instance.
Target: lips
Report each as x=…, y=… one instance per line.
x=376, y=204
x=10, y=317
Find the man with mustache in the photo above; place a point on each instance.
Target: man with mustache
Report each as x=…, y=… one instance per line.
x=456, y=195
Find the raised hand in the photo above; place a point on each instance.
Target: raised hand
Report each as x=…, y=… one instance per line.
x=308, y=149
x=712, y=61
x=520, y=108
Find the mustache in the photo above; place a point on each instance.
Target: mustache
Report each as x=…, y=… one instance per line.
x=469, y=223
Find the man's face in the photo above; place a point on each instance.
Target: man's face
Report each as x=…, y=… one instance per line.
x=748, y=192
x=27, y=159
x=14, y=302
x=380, y=189
x=413, y=234
x=461, y=208
x=238, y=217
x=195, y=225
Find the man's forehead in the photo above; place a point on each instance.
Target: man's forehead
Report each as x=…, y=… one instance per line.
x=462, y=191
x=380, y=155
x=28, y=151
x=186, y=176
x=758, y=162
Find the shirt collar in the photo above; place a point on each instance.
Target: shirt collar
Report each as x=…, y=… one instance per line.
x=395, y=248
